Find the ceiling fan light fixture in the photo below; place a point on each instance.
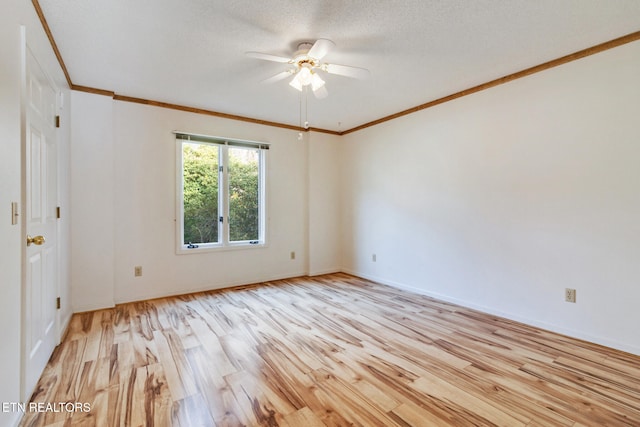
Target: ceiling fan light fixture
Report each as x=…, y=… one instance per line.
x=305, y=65
x=295, y=83
x=304, y=75
x=316, y=82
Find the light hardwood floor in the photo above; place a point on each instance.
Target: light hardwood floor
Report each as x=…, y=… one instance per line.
x=333, y=350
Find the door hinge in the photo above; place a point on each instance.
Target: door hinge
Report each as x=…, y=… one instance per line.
x=221, y=219
x=221, y=168
x=15, y=213
x=58, y=212
x=58, y=303
x=57, y=121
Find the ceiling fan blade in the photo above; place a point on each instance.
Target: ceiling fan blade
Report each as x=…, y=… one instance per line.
x=278, y=77
x=320, y=48
x=321, y=92
x=268, y=57
x=347, y=71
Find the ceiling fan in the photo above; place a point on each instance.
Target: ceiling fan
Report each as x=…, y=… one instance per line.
x=306, y=63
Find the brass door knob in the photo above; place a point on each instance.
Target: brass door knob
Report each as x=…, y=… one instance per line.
x=37, y=240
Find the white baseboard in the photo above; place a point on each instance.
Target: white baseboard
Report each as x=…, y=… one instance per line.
x=92, y=307
x=205, y=288
x=511, y=316
x=64, y=325
x=328, y=271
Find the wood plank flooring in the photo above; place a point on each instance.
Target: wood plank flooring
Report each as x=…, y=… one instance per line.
x=333, y=350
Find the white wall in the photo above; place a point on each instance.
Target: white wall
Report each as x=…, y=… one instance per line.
x=10, y=235
x=124, y=175
x=325, y=228
x=92, y=202
x=16, y=13
x=501, y=199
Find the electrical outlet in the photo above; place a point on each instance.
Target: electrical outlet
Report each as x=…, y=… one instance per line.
x=570, y=295
x=293, y=255
x=137, y=271
x=374, y=258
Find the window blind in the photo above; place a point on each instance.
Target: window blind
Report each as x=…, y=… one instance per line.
x=186, y=136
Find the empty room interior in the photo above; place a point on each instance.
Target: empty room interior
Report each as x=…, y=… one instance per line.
x=320, y=213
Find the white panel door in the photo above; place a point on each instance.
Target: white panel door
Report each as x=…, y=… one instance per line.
x=41, y=201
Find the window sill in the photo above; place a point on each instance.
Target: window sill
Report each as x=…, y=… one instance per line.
x=207, y=248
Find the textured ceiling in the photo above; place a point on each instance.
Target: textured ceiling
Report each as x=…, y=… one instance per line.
x=191, y=52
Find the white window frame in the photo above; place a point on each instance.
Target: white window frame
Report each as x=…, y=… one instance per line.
x=223, y=193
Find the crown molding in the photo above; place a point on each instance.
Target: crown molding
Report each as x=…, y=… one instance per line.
x=47, y=30
x=506, y=79
x=218, y=114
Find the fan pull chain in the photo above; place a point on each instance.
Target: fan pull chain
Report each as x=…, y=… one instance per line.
x=306, y=107
x=303, y=93
x=300, y=116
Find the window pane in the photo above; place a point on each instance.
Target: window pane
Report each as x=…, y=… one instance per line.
x=244, y=194
x=200, y=193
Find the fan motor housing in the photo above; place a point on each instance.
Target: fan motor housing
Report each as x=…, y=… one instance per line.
x=301, y=56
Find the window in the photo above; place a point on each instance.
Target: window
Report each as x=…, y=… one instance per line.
x=221, y=200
